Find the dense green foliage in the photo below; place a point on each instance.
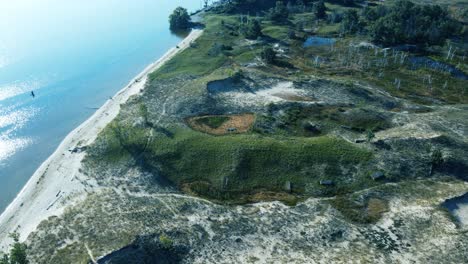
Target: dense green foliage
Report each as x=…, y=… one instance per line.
x=401, y=23
x=350, y=23
x=179, y=19
x=320, y=11
x=406, y=22
x=268, y=55
x=18, y=253
x=240, y=6
x=279, y=14
x=254, y=30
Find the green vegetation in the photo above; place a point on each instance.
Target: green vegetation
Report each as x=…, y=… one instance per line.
x=279, y=14
x=223, y=44
x=212, y=121
x=179, y=19
x=239, y=168
x=236, y=168
x=437, y=159
x=299, y=147
x=18, y=253
x=407, y=23
x=286, y=147
x=370, y=135
x=320, y=11
x=254, y=30
x=311, y=120
x=268, y=55
x=196, y=60
x=165, y=241
x=350, y=23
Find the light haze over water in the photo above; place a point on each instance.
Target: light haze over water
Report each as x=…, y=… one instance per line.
x=74, y=55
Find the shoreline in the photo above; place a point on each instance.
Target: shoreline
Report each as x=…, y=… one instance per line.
x=56, y=183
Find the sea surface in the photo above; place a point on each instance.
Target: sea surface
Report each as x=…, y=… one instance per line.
x=74, y=55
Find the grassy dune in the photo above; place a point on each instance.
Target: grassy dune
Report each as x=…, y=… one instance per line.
x=236, y=168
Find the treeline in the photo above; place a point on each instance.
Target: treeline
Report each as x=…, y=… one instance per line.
x=252, y=6
x=401, y=23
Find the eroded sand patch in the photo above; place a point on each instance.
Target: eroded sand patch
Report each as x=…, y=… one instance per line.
x=281, y=92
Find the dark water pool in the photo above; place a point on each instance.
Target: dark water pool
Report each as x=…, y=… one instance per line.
x=456, y=204
x=318, y=41
x=425, y=62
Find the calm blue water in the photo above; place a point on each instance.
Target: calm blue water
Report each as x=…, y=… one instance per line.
x=318, y=41
x=74, y=55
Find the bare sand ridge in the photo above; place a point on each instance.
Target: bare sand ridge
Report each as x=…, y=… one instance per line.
x=56, y=183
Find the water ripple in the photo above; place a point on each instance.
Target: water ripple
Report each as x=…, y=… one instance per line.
x=14, y=120
x=8, y=147
x=11, y=121
x=17, y=88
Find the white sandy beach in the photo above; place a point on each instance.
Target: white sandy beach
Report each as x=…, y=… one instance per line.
x=56, y=185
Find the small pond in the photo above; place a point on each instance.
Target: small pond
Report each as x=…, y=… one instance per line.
x=458, y=207
x=318, y=41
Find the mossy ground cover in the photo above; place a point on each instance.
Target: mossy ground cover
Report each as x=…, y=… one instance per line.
x=315, y=120
x=235, y=168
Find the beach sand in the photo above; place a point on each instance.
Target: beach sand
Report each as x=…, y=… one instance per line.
x=56, y=184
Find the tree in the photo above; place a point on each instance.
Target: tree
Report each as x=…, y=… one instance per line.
x=320, y=11
x=291, y=34
x=370, y=135
x=335, y=17
x=348, y=2
x=408, y=23
x=268, y=55
x=343, y=2
x=179, y=19
x=18, y=252
x=237, y=76
x=437, y=158
x=4, y=259
x=254, y=30
x=279, y=13
x=350, y=22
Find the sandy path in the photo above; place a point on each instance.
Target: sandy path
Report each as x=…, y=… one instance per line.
x=55, y=184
